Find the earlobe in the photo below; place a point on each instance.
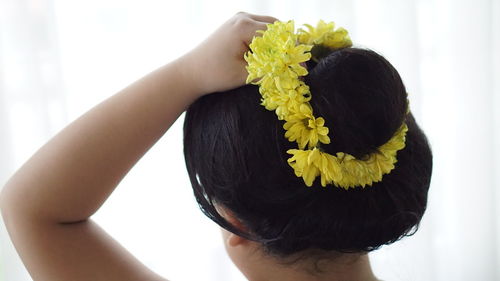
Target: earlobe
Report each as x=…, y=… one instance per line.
x=234, y=240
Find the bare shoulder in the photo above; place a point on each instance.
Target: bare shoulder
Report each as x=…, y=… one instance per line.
x=79, y=251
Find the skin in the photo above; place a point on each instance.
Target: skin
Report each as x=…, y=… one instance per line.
x=256, y=265
x=48, y=203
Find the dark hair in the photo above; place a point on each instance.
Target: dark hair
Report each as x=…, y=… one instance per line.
x=235, y=153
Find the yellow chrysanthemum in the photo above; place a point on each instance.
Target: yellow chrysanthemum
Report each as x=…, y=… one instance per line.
x=285, y=104
x=326, y=35
x=275, y=52
x=310, y=163
x=301, y=126
x=305, y=164
x=344, y=170
x=274, y=64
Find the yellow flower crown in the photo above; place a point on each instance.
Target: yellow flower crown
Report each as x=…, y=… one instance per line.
x=274, y=63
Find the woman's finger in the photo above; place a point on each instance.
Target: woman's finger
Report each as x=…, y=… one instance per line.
x=261, y=18
x=267, y=19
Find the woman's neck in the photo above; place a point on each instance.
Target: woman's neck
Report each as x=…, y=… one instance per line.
x=348, y=267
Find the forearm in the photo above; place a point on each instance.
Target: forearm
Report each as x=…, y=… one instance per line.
x=71, y=176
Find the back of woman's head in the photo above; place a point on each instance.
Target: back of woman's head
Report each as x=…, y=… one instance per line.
x=236, y=158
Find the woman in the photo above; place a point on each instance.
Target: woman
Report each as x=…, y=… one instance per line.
x=48, y=202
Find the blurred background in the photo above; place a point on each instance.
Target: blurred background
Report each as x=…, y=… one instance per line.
x=58, y=58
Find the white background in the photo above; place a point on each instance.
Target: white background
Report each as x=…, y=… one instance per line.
x=58, y=58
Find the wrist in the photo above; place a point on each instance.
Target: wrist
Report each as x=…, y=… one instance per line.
x=190, y=76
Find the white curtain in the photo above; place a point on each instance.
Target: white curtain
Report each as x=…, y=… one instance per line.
x=60, y=57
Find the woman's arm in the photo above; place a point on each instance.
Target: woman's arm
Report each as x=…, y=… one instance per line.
x=48, y=201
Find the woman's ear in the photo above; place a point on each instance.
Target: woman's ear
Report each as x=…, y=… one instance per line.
x=231, y=239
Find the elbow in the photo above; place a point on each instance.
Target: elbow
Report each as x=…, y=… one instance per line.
x=4, y=206
x=8, y=205
x=4, y=202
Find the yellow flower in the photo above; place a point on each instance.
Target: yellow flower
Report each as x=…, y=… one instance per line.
x=342, y=170
x=326, y=35
x=311, y=163
x=287, y=101
x=275, y=52
x=396, y=143
x=303, y=127
x=305, y=164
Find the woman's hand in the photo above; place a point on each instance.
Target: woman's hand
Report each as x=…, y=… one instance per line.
x=217, y=64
